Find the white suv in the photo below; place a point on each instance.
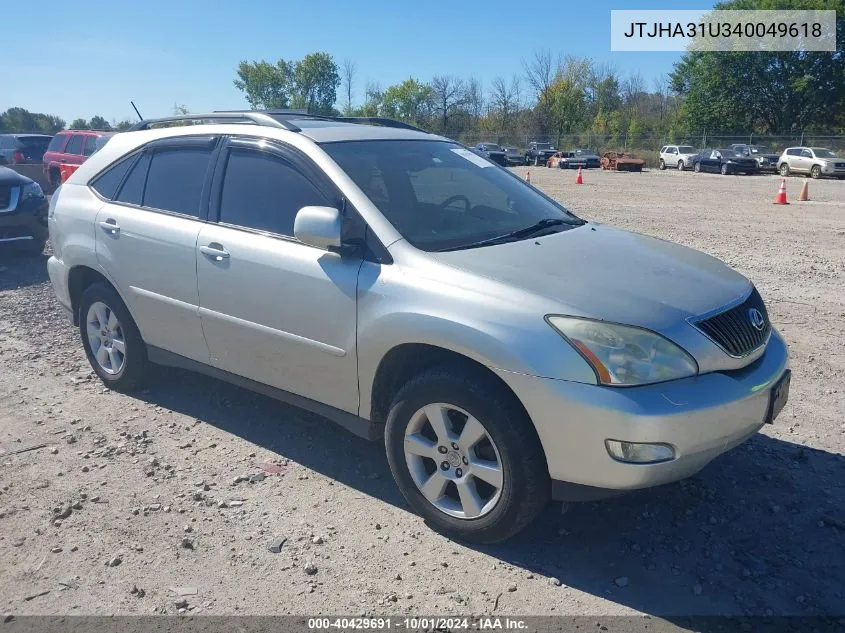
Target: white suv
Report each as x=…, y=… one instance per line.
x=407, y=288
x=680, y=156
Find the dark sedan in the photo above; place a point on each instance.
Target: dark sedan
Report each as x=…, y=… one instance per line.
x=725, y=161
x=23, y=212
x=579, y=158
x=493, y=152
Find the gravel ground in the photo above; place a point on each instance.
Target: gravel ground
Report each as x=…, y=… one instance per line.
x=169, y=501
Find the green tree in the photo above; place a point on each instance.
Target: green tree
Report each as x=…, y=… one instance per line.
x=315, y=83
x=410, y=101
x=764, y=92
x=98, y=123
x=265, y=85
x=122, y=126
x=79, y=124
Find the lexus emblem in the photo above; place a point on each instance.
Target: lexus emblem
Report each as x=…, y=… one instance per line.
x=757, y=319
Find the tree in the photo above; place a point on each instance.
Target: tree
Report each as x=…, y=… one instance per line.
x=265, y=85
x=448, y=95
x=315, y=83
x=373, y=97
x=79, y=124
x=349, y=71
x=764, y=92
x=504, y=101
x=99, y=123
x=410, y=101
x=122, y=126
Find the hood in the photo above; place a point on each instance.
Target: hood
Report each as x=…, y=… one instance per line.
x=606, y=273
x=11, y=178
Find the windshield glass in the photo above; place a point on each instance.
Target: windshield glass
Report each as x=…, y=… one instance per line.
x=513, y=150
x=760, y=149
x=492, y=148
x=543, y=145
x=823, y=152
x=440, y=196
x=686, y=149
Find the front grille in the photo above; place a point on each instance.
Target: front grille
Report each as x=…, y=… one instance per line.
x=733, y=330
x=5, y=196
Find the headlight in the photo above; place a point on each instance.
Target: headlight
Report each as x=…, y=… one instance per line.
x=32, y=190
x=622, y=355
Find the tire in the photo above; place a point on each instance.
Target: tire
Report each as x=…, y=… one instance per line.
x=537, y=160
x=680, y=165
x=130, y=374
x=724, y=170
x=697, y=168
x=815, y=172
x=783, y=169
x=662, y=165
x=55, y=178
x=509, y=441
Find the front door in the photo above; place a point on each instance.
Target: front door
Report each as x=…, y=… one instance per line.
x=274, y=309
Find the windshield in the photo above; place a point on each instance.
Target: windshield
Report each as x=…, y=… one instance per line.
x=823, y=152
x=544, y=146
x=441, y=196
x=512, y=150
x=686, y=149
x=760, y=149
x=492, y=148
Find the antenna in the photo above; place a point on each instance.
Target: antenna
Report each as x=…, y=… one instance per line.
x=140, y=118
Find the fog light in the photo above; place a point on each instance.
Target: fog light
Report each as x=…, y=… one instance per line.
x=637, y=453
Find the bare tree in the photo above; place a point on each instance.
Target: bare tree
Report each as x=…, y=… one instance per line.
x=474, y=99
x=349, y=71
x=540, y=71
x=449, y=93
x=504, y=100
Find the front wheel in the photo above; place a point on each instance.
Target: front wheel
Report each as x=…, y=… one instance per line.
x=724, y=170
x=537, y=161
x=465, y=455
x=680, y=165
x=111, y=339
x=784, y=170
x=816, y=172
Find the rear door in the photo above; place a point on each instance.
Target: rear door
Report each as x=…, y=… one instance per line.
x=73, y=154
x=804, y=160
x=147, y=235
x=274, y=309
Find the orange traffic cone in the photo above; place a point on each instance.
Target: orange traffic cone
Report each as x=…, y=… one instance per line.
x=528, y=176
x=805, y=193
x=579, y=179
x=781, y=197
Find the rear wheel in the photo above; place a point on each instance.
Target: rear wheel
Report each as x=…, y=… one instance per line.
x=816, y=172
x=697, y=167
x=465, y=455
x=662, y=164
x=111, y=339
x=55, y=178
x=537, y=161
x=784, y=169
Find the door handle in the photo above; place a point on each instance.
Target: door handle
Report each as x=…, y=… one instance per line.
x=110, y=226
x=215, y=252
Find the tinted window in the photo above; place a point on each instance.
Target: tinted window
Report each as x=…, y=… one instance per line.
x=75, y=145
x=793, y=152
x=175, y=180
x=108, y=182
x=58, y=143
x=132, y=190
x=264, y=192
x=91, y=145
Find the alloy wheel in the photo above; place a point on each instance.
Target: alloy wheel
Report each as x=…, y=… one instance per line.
x=105, y=336
x=453, y=461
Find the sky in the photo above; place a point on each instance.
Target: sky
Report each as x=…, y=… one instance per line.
x=94, y=56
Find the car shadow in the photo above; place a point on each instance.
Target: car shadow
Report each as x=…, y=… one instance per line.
x=19, y=269
x=758, y=532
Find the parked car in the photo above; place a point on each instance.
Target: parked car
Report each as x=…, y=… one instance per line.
x=493, y=152
x=538, y=153
x=621, y=161
x=514, y=156
x=725, y=161
x=22, y=149
x=506, y=350
x=68, y=150
x=680, y=156
x=576, y=158
x=816, y=161
x=766, y=159
x=23, y=212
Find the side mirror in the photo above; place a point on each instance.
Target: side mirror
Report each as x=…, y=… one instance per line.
x=319, y=227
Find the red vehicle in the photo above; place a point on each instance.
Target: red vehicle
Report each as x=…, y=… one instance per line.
x=68, y=150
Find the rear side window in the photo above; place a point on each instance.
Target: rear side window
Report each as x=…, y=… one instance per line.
x=108, y=182
x=75, y=145
x=132, y=191
x=58, y=143
x=175, y=180
x=793, y=152
x=90, y=145
x=264, y=192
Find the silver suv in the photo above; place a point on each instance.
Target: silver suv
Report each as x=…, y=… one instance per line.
x=680, y=156
x=407, y=288
x=816, y=161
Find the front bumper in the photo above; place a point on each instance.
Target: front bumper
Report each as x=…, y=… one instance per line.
x=701, y=417
x=25, y=225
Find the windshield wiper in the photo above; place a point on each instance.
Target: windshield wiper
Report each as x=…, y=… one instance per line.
x=519, y=234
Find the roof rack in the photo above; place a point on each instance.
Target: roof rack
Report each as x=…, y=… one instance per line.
x=272, y=118
x=253, y=117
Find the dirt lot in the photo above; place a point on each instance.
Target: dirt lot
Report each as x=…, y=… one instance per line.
x=153, y=516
